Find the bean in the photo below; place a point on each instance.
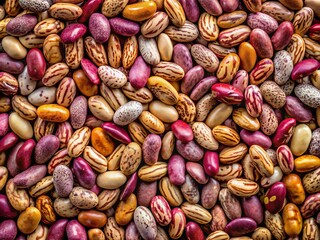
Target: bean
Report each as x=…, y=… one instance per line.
x=159, y=119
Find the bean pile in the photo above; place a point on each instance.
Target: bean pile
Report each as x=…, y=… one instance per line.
x=163, y=119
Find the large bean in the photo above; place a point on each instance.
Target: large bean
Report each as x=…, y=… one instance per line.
x=46, y=148
x=226, y=91
x=7, y=211
x=30, y=176
x=9, y=230
x=75, y=231
x=10, y=65
x=58, y=229
x=84, y=173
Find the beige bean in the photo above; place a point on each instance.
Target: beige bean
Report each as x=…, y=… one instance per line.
x=100, y=108
x=20, y=126
x=18, y=198
x=153, y=173
x=24, y=108
x=164, y=112
x=168, y=144
x=78, y=141
x=203, y=136
x=151, y=122
x=95, y=159
x=300, y=139
x=13, y=47
x=165, y=47
x=111, y=180
x=115, y=157
x=218, y=115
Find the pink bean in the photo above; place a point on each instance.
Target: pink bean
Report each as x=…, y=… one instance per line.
x=211, y=163
x=182, y=131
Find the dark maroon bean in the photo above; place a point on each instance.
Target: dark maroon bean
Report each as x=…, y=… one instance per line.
x=57, y=231
x=211, y=163
x=46, y=148
x=129, y=187
x=240, y=226
x=116, y=132
x=21, y=25
x=146, y=191
x=99, y=27
x=7, y=211
x=11, y=162
x=23, y=158
x=193, y=231
x=36, y=64
x=30, y=176
x=190, y=151
x=124, y=27
x=84, y=173
x=88, y=8
x=10, y=65
x=255, y=138
x=8, y=141
x=304, y=68
x=4, y=123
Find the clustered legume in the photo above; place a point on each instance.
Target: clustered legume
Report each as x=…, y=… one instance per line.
x=163, y=119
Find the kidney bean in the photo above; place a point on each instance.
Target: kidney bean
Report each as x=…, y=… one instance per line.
x=75, y=230
x=7, y=211
x=58, y=230
x=9, y=230
x=175, y=131
x=182, y=131
x=24, y=154
x=8, y=141
x=84, y=173
x=36, y=64
x=4, y=124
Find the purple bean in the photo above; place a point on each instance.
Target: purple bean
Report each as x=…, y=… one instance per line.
x=24, y=154
x=7, y=211
x=8, y=141
x=30, y=176
x=177, y=170
x=4, y=123
x=76, y=231
x=9, y=230
x=84, y=173
x=129, y=187
x=73, y=32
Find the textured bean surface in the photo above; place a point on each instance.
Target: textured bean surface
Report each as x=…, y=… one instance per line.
x=163, y=119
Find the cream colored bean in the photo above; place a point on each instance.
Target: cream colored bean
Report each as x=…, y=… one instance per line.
x=300, y=139
x=165, y=47
x=18, y=198
x=78, y=141
x=100, y=108
x=14, y=48
x=20, y=126
x=40, y=233
x=164, y=112
x=203, y=136
x=96, y=160
x=218, y=115
x=111, y=180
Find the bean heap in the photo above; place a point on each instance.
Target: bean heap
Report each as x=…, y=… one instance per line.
x=164, y=119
